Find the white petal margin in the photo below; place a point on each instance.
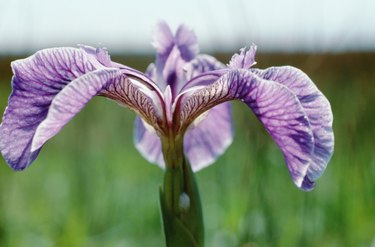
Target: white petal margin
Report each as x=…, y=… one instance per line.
x=277, y=107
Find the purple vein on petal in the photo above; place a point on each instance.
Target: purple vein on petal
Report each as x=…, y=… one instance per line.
x=317, y=109
x=277, y=107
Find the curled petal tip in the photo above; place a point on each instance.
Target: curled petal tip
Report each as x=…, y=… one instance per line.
x=97, y=55
x=245, y=59
x=318, y=111
x=307, y=184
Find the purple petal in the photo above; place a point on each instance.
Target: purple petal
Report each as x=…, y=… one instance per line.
x=148, y=143
x=173, y=52
x=80, y=91
x=53, y=85
x=97, y=56
x=36, y=81
x=201, y=64
x=202, y=71
x=163, y=40
x=131, y=92
x=276, y=107
x=317, y=109
x=245, y=59
x=70, y=101
x=196, y=144
x=205, y=141
x=187, y=43
x=172, y=74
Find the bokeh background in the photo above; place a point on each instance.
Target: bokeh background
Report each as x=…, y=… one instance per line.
x=90, y=187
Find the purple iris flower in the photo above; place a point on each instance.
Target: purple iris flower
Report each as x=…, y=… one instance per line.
x=182, y=102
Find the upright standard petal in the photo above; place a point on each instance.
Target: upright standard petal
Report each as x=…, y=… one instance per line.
x=173, y=52
x=163, y=40
x=317, y=109
x=187, y=42
x=275, y=106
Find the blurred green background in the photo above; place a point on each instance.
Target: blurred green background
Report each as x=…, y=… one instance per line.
x=90, y=187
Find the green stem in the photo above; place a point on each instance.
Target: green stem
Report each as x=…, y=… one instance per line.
x=181, y=207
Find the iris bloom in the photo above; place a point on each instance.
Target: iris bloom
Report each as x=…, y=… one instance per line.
x=182, y=102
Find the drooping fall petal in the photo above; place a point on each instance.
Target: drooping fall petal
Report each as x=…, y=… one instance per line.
x=35, y=83
x=69, y=101
x=53, y=85
x=277, y=107
x=317, y=109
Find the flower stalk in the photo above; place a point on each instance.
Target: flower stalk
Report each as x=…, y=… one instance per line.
x=179, y=200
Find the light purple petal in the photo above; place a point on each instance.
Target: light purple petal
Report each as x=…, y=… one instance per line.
x=203, y=142
x=196, y=144
x=206, y=140
x=276, y=107
x=148, y=143
x=163, y=39
x=202, y=71
x=317, y=109
x=70, y=101
x=187, y=42
x=50, y=87
x=131, y=92
x=245, y=59
x=200, y=64
x=97, y=56
x=173, y=52
x=173, y=74
x=79, y=92
x=35, y=83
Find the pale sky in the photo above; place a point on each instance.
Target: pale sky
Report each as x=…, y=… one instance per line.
x=126, y=26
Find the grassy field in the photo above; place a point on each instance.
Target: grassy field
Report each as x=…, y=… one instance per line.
x=90, y=187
